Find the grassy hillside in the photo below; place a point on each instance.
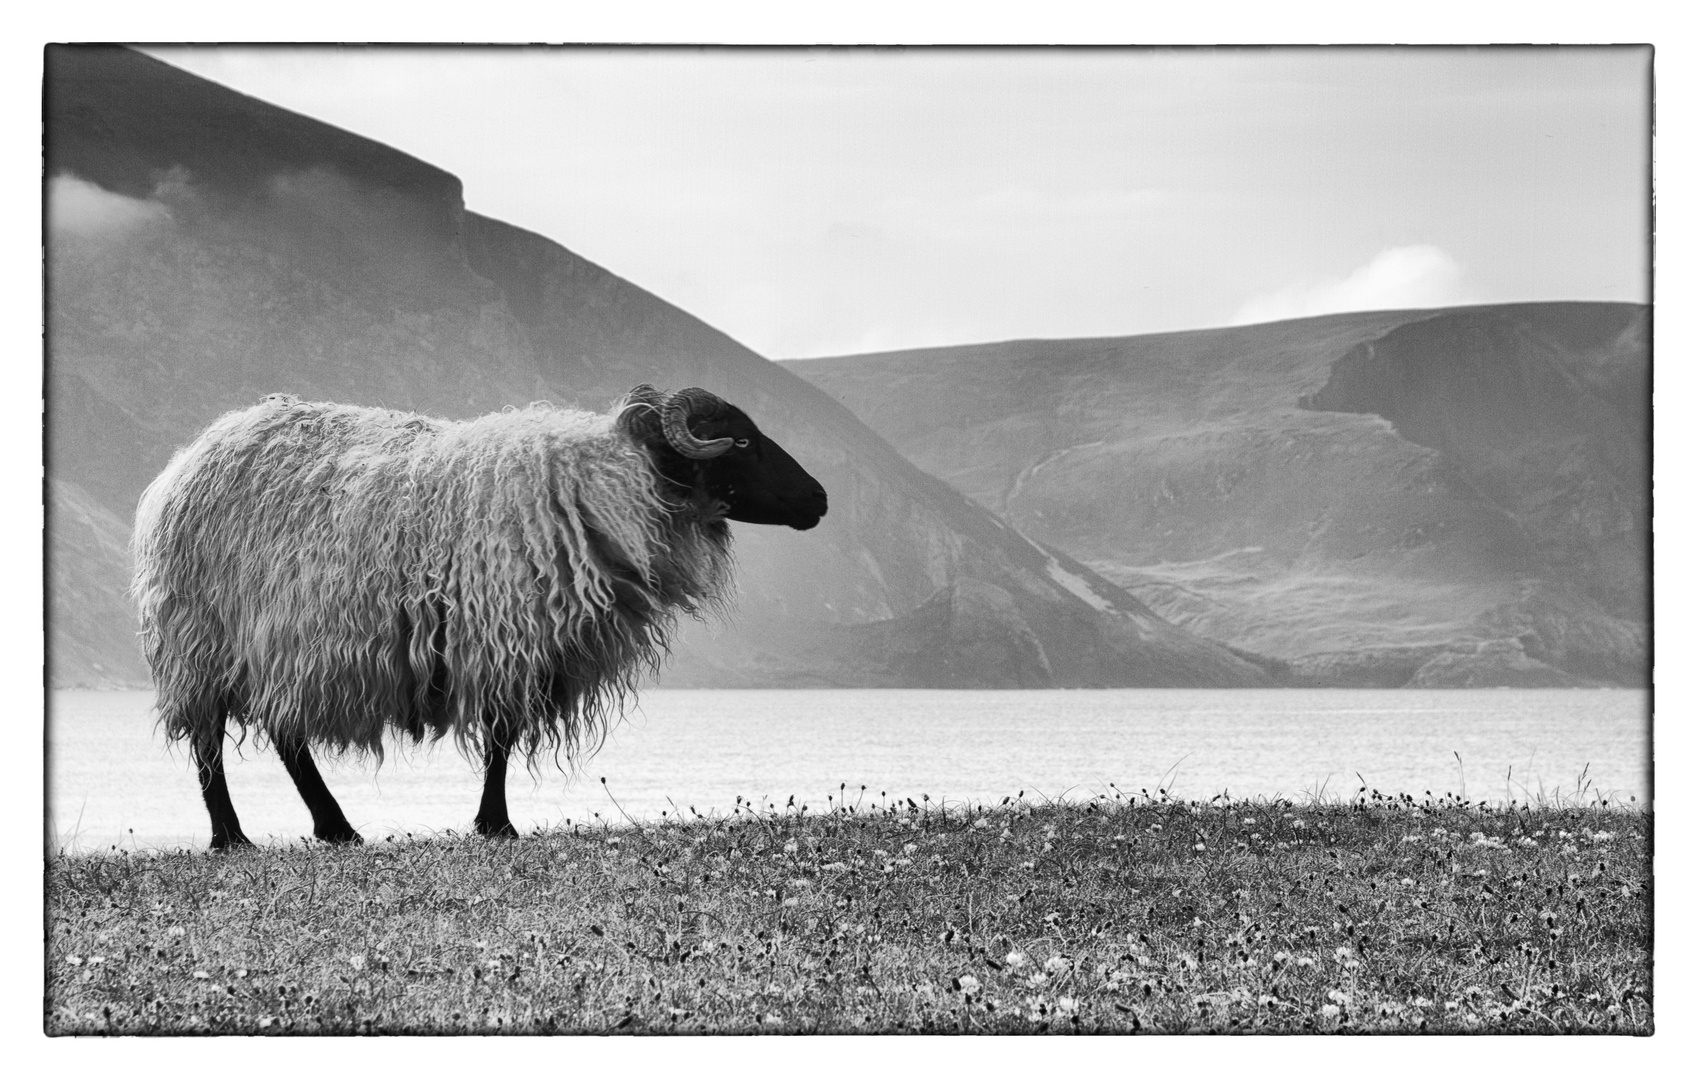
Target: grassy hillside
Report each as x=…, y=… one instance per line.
x=206, y=249
x=1452, y=497
x=1116, y=915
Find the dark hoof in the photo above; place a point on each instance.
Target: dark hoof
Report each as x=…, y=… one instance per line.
x=225, y=843
x=498, y=831
x=343, y=835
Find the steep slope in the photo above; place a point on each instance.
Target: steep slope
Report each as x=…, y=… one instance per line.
x=1454, y=497
x=206, y=249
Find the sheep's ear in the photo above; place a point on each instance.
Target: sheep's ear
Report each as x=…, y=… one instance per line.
x=639, y=416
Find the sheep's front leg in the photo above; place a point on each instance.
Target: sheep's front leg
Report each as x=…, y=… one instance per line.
x=208, y=749
x=492, y=819
x=328, y=822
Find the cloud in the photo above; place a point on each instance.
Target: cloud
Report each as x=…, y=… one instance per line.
x=1416, y=276
x=75, y=205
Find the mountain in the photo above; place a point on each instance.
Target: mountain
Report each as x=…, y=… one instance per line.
x=1453, y=497
x=206, y=249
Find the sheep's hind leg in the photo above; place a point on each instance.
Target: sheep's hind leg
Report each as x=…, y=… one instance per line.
x=328, y=822
x=208, y=749
x=492, y=819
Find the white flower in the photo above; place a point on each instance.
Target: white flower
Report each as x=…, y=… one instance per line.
x=202, y=975
x=969, y=984
x=1337, y=997
x=175, y=931
x=1037, y=980
x=1328, y=1011
x=1016, y=960
x=74, y=961
x=1066, y=1006
x=1056, y=964
x=981, y=823
x=357, y=960
x=790, y=847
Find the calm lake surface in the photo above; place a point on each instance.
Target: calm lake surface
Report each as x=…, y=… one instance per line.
x=113, y=780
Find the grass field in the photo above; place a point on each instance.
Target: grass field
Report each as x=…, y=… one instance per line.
x=1120, y=914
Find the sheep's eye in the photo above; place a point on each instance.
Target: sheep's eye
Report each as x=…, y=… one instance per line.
x=741, y=444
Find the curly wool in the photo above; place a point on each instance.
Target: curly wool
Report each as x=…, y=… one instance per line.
x=326, y=572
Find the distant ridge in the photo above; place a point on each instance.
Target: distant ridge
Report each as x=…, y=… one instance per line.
x=1445, y=497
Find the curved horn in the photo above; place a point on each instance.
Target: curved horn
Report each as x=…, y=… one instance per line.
x=674, y=421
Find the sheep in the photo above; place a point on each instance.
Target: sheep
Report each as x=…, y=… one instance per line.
x=323, y=573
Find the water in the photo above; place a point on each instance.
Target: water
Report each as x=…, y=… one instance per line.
x=112, y=779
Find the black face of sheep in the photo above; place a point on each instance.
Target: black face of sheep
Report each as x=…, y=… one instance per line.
x=707, y=444
x=328, y=574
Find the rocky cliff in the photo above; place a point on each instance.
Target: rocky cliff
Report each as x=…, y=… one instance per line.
x=1435, y=498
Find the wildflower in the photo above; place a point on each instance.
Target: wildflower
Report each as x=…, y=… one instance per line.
x=202, y=975
x=1602, y=837
x=1037, y=980
x=357, y=960
x=790, y=901
x=968, y=984
x=175, y=931
x=790, y=847
x=1016, y=960
x=909, y=849
x=1056, y=964
x=1305, y=961
x=1249, y=821
x=1066, y=1006
x=74, y=961
x=1028, y=865
x=1412, y=838
x=981, y=823
x=1406, y=881
x=1329, y=1011
x=1337, y=997
x=1298, y=824
x=267, y=1021
x=1281, y=957
x=1200, y=847
x=1527, y=841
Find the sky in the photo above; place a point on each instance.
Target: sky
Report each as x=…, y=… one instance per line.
x=815, y=202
